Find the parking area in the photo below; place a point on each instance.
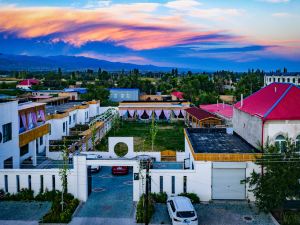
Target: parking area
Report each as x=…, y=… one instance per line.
x=111, y=196
x=219, y=213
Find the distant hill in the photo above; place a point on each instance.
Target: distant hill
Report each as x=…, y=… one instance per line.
x=67, y=63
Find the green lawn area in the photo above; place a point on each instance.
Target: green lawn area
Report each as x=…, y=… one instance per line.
x=170, y=136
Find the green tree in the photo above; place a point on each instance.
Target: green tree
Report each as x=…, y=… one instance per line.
x=63, y=173
x=153, y=132
x=280, y=178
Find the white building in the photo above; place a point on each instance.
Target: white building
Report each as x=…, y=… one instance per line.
x=269, y=115
x=291, y=78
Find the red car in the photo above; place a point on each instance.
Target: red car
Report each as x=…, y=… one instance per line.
x=119, y=170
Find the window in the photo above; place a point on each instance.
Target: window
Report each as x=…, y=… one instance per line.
x=53, y=182
x=41, y=140
x=283, y=79
x=294, y=80
x=172, y=206
x=64, y=127
x=161, y=184
x=6, y=132
x=18, y=182
x=74, y=118
x=29, y=182
x=278, y=79
x=49, y=128
x=280, y=143
x=288, y=80
x=5, y=183
x=273, y=79
x=184, y=184
x=24, y=150
x=42, y=183
x=70, y=119
x=173, y=184
x=298, y=143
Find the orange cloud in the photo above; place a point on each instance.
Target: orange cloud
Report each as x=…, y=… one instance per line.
x=132, y=26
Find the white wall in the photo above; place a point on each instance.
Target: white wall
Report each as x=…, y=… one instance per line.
x=9, y=114
x=94, y=110
x=81, y=116
x=272, y=129
x=248, y=127
x=77, y=179
x=57, y=128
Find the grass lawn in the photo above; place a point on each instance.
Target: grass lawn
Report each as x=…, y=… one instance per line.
x=169, y=136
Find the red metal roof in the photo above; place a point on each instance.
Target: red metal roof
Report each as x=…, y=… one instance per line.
x=223, y=110
x=200, y=114
x=277, y=101
x=177, y=94
x=29, y=82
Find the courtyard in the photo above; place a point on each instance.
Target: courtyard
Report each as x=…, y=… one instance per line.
x=170, y=136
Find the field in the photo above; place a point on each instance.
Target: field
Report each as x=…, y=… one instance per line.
x=169, y=136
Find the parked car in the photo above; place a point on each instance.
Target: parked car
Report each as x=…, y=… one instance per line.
x=181, y=211
x=94, y=168
x=119, y=170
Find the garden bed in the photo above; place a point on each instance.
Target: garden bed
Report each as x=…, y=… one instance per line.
x=170, y=136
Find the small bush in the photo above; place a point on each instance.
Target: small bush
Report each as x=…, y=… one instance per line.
x=23, y=195
x=159, y=197
x=192, y=196
x=140, y=210
x=291, y=218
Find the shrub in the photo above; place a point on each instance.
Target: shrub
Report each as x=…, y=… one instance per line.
x=192, y=196
x=23, y=195
x=291, y=218
x=159, y=197
x=140, y=210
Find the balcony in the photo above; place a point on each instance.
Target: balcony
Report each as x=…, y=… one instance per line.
x=32, y=134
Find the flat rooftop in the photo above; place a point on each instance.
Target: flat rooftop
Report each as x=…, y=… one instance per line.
x=28, y=105
x=217, y=140
x=51, y=109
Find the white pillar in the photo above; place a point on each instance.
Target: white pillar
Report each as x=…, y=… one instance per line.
x=80, y=170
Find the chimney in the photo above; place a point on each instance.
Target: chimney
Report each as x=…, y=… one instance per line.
x=275, y=89
x=242, y=100
x=218, y=103
x=223, y=105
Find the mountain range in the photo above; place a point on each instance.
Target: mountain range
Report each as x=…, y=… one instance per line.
x=67, y=63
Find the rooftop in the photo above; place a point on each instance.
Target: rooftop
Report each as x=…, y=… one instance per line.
x=52, y=109
x=28, y=105
x=223, y=110
x=283, y=74
x=217, y=140
x=200, y=114
x=277, y=101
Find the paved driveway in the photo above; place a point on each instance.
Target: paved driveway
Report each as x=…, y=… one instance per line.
x=219, y=213
x=110, y=201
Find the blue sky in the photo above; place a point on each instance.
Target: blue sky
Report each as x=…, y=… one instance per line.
x=204, y=34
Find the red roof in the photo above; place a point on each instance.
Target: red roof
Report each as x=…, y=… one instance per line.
x=223, y=110
x=199, y=113
x=277, y=101
x=29, y=82
x=177, y=94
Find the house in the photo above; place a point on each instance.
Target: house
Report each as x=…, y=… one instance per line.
x=177, y=95
x=286, y=77
x=269, y=115
x=198, y=118
x=144, y=110
x=124, y=94
x=73, y=95
x=28, y=83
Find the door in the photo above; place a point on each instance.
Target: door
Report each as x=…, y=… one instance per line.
x=226, y=183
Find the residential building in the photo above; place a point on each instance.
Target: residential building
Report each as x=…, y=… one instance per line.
x=73, y=95
x=124, y=94
x=27, y=84
x=198, y=118
x=142, y=110
x=291, y=78
x=269, y=115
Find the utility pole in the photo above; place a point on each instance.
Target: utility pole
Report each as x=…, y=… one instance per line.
x=147, y=193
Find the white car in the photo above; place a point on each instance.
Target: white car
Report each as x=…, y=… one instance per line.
x=181, y=211
x=94, y=168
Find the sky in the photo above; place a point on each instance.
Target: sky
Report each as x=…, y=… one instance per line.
x=196, y=34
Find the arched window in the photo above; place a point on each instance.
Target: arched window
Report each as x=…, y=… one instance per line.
x=280, y=142
x=298, y=143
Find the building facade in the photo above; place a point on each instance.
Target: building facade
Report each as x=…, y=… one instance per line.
x=291, y=78
x=124, y=94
